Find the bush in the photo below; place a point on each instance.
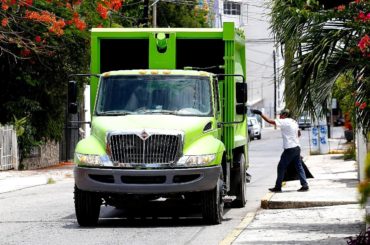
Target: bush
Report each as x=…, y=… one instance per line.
x=350, y=153
x=362, y=239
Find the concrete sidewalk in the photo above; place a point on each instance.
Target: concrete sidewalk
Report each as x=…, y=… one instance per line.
x=13, y=180
x=327, y=214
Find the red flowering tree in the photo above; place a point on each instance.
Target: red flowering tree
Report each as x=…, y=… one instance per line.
x=30, y=27
x=41, y=43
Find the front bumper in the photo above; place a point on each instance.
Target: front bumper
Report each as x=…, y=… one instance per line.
x=146, y=181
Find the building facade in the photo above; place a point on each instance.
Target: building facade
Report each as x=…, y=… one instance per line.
x=264, y=61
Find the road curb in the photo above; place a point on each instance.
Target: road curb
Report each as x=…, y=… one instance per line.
x=230, y=238
x=268, y=204
x=266, y=200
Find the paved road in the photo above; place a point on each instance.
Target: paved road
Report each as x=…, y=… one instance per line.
x=45, y=214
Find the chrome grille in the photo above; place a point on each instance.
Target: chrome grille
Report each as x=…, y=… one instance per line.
x=153, y=148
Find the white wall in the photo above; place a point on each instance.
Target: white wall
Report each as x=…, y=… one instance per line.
x=254, y=20
x=260, y=62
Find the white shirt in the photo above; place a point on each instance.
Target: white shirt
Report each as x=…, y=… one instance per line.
x=289, y=131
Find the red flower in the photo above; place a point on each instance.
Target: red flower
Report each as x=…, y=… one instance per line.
x=4, y=6
x=25, y=52
x=114, y=4
x=103, y=11
x=4, y=22
x=363, y=106
x=38, y=39
x=364, y=43
x=80, y=24
x=357, y=103
x=341, y=8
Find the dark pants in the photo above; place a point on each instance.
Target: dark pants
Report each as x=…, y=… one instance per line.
x=288, y=156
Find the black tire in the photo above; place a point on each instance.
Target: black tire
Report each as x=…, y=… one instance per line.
x=213, y=205
x=87, y=207
x=241, y=183
x=259, y=136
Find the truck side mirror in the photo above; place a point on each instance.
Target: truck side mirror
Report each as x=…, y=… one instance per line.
x=241, y=109
x=72, y=97
x=241, y=93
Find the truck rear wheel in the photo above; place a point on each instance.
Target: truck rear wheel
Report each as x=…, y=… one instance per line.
x=213, y=205
x=241, y=183
x=87, y=207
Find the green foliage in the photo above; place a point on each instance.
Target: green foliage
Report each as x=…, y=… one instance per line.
x=346, y=100
x=19, y=125
x=42, y=43
x=27, y=141
x=321, y=43
x=361, y=239
x=178, y=14
x=342, y=85
x=240, y=32
x=350, y=153
x=51, y=181
x=364, y=186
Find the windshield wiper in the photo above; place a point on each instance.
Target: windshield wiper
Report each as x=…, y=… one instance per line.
x=157, y=111
x=114, y=113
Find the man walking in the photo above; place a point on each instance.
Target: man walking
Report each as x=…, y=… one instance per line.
x=292, y=151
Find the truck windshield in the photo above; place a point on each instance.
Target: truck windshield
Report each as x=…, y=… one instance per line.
x=150, y=94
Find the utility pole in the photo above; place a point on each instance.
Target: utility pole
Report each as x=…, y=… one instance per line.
x=155, y=15
x=154, y=5
x=274, y=59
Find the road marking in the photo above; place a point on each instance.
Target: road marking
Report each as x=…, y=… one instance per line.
x=236, y=232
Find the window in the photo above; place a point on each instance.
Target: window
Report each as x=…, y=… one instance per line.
x=154, y=94
x=232, y=8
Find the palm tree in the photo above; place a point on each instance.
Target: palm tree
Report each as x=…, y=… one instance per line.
x=322, y=42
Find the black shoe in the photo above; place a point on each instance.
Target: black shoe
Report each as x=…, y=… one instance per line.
x=304, y=188
x=275, y=189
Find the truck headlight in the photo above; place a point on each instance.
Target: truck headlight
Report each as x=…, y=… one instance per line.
x=92, y=160
x=196, y=160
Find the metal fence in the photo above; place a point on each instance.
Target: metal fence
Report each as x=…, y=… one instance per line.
x=8, y=148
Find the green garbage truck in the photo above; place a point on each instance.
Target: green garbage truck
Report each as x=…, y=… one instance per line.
x=168, y=119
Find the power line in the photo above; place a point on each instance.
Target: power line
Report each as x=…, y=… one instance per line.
x=257, y=51
x=254, y=62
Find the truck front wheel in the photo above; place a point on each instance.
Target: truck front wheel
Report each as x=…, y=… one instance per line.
x=87, y=206
x=213, y=205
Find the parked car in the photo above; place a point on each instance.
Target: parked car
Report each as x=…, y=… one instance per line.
x=250, y=135
x=255, y=127
x=304, y=122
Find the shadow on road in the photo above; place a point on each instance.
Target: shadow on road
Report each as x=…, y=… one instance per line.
x=167, y=213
